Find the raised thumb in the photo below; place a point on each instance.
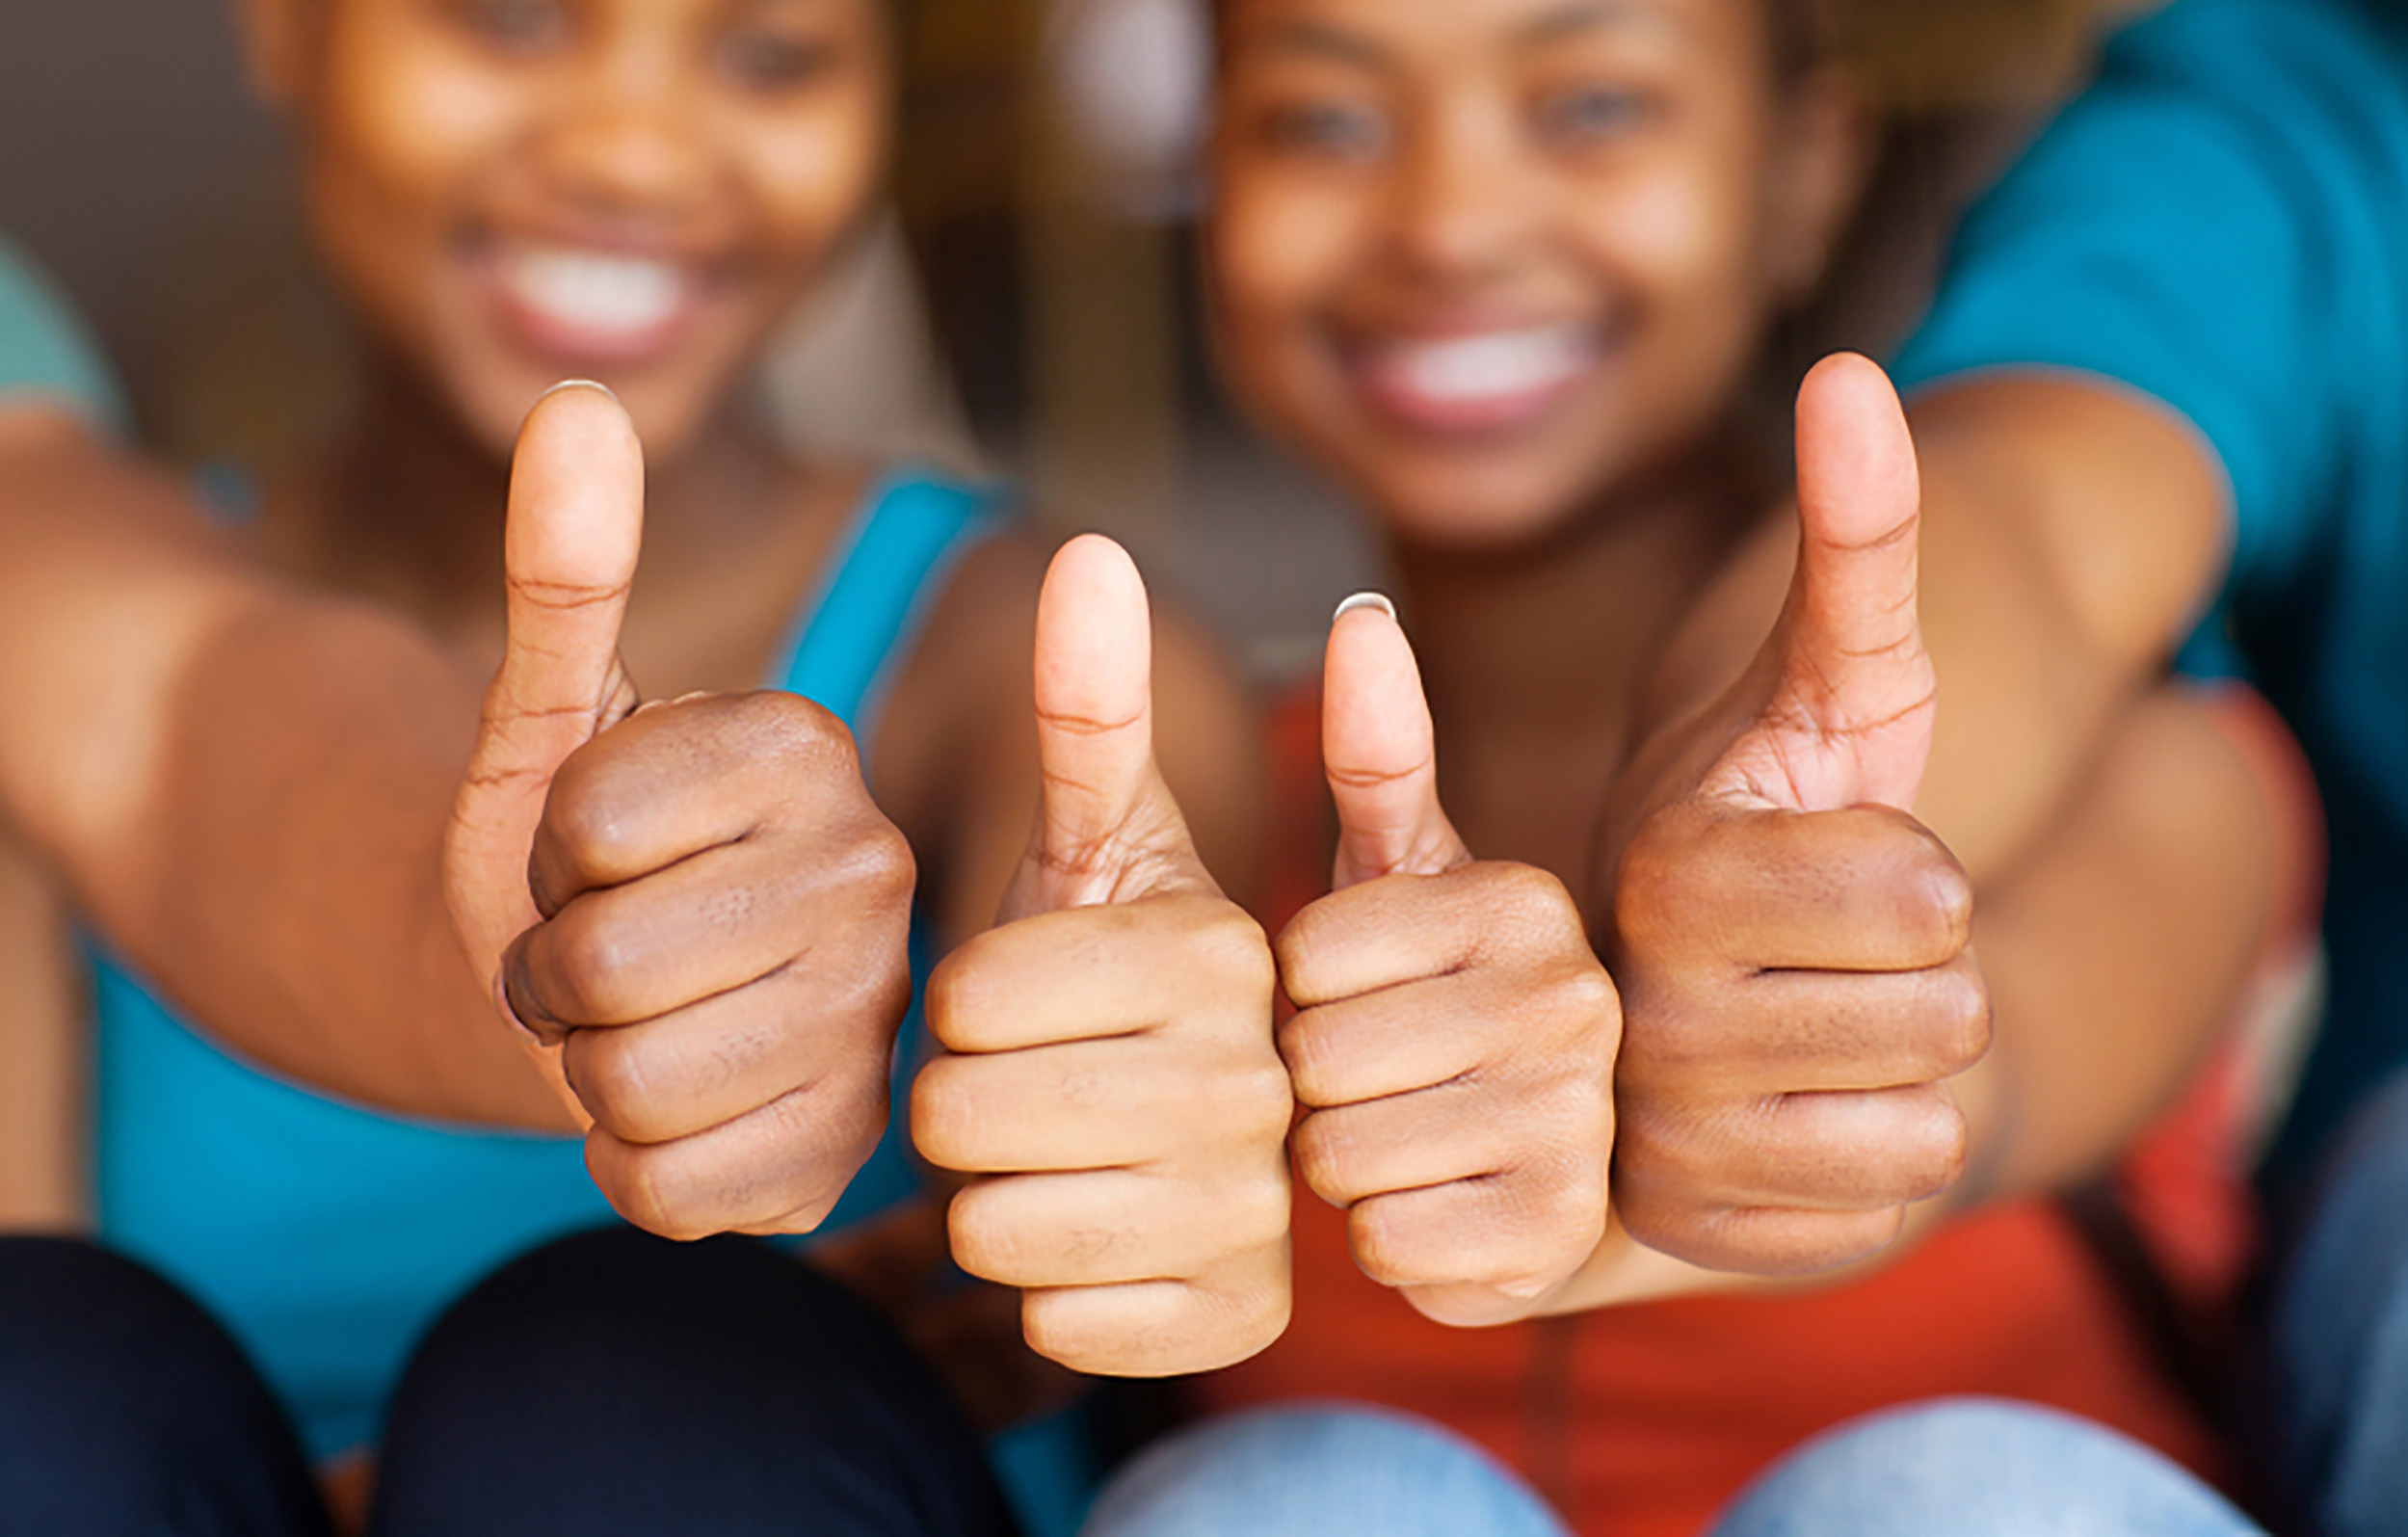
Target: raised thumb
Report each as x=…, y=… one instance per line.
x=576, y=524
x=1379, y=750
x=1107, y=829
x=1854, y=671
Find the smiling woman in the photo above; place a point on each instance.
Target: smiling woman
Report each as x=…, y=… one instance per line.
x=506, y=193
x=1480, y=260
x=511, y=192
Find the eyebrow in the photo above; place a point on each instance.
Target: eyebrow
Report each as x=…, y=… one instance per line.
x=1324, y=40
x=1590, y=16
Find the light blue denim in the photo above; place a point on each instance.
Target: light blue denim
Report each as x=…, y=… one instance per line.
x=2340, y=1332
x=1961, y=1469
x=1318, y=1470
x=1978, y=1468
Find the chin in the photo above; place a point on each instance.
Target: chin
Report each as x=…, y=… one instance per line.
x=1470, y=511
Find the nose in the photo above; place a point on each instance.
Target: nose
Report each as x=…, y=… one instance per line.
x=632, y=135
x=1463, y=205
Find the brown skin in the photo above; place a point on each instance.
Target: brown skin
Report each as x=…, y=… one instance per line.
x=1113, y=1083
x=644, y=130
x=1396, y=172
x=1455, y=1037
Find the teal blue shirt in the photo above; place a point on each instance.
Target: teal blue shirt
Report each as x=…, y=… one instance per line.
x=2221, y=223
x=43, y=349
x=327, y=1236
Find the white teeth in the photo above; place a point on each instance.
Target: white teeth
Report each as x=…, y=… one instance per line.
x=589, y=291
x=1497, y=366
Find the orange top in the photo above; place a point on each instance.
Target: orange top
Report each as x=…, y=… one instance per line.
x=1643, y=1421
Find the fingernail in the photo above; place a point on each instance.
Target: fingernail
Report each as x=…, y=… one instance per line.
x=1378, y=601
x=578, y=383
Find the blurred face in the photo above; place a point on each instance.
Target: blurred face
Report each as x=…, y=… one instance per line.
x=516, y=192
x=1488, y=259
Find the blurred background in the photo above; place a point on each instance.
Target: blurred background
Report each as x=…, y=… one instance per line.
x=1030, y=308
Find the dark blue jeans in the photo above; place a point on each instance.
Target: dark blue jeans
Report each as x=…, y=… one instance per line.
x=125, y=1412
x=2340, y=1332
x=609, y=1384
x=614, y=1383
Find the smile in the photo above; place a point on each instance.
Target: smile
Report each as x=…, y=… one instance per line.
x=604, y=306
x=1486, y=381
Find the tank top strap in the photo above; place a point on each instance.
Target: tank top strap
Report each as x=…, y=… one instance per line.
x=858, y=629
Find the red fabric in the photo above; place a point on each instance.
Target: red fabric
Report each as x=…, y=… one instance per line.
x=1643, y=1421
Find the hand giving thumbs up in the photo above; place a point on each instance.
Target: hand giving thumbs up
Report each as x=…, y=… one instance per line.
x=1112, y=1082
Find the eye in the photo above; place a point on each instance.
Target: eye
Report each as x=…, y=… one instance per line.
x=1328, y=130
x=768, y=60
x=1590, y=114
x=516, y=26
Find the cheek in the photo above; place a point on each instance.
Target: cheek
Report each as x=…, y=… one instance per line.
x=815, y=172
x=1678, y=235
x=1282, y=254
x=406, y=121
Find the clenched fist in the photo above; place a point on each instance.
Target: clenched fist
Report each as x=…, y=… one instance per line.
x=1456, y=1036
x=1111, y=1080
x=692, y=910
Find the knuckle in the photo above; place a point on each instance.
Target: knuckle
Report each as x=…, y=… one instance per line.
x=580, y=971
x=880, y=868
x=1949, y=1148
x=983, y=1238
x=586, y=817
x=796, y=733
x=944, y=1114
x=1064, y=1325
x=1571, y=1215
x=1938, y=897
x=1384, y=1244
x=1587, y=997
x=1259, y=1102
x=1258, y=1214
x=1304, y=1046
x=954, y=1002
x=1325, y=1157
x=1234, y=947
x=1962, y=1022
x=1530, y=899
x=636, y=1188
x=607, y=1071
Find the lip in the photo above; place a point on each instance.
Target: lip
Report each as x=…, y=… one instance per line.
x=584, y=301
x=1473, y=381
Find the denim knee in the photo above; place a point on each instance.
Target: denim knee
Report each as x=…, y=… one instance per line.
x=1978, y=1468
x=1327, y=1470
x=617, y=1383
x=125, y=1409
x=2340, y=1332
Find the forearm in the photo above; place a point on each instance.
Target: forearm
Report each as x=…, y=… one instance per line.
x=2118, y=954
x=2072, y=534
x=246, y=788
x=43, y=1184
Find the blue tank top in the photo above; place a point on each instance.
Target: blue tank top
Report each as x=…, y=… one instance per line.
x=327, y=1235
